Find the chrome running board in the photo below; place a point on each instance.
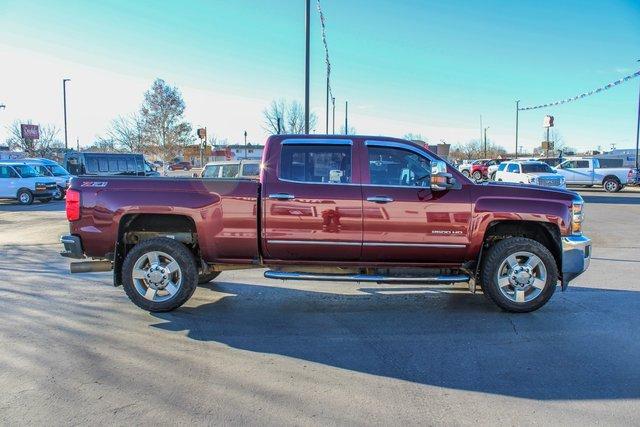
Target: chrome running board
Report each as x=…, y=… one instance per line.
x=287, y=275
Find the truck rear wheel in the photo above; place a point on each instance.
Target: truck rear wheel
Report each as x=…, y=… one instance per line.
x=611, y=185
x=159, y=274
x=519, y=274
x=207, y=277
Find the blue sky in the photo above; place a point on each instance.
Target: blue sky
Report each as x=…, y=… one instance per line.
x=429, y=67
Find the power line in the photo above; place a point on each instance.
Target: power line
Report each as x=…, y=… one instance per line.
x=585, y=94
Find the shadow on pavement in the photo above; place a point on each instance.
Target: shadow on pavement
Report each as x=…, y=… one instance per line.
x=583, y=345
x=52, y=206
x=614, y=200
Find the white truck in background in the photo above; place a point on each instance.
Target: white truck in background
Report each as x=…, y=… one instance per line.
x=587, y=172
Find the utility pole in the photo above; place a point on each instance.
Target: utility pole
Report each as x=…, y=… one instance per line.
x=278, y=120
x=306, y=67
x=327, y=115
x=64, y=102
x=245, y=144
x=346, y=117
x=638, y=130
x=517, y=111
x=485, y=142
x=333, y=123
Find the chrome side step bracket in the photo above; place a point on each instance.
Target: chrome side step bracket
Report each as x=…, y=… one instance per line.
x=287, y=275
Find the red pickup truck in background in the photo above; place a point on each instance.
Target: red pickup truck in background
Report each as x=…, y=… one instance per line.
x=343, y=208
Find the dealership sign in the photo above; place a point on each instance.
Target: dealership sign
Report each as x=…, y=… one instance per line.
x=30, y=131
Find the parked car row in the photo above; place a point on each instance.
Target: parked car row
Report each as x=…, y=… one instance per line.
x=557, y=172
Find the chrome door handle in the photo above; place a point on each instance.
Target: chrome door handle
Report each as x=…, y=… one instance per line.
x=282, y=196
x=380, y=199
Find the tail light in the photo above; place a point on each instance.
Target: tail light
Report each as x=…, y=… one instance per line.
x=73, y=205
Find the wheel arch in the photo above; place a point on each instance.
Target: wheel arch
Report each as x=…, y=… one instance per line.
x=136, y=227
x=546, y=233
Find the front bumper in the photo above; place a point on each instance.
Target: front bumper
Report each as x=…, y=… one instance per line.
x=576, y=256
x=72, y=247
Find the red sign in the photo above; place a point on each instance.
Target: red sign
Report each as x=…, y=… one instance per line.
x=30, y=131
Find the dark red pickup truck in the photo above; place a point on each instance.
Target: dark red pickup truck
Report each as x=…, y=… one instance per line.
x=343, y=208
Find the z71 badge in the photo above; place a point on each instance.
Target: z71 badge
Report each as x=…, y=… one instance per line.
x=93, y=184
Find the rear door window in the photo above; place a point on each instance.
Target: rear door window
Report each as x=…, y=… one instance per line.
x=319, y=163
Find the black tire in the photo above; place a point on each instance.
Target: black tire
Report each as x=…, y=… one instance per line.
x=207, y=277
x=25, y=197
x=611, y=184
x=466, y=173
x=493, y=261
x=493, y=176
x=45, y=200
x=477, y=175
x=186, y=263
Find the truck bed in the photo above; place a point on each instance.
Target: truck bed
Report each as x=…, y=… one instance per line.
x=224, y=213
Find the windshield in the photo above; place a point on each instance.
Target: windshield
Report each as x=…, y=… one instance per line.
x=26, y=171
x=536, y=168
x=58, y=170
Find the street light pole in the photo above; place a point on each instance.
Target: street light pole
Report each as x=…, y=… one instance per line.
x=245, y=144
x=64, y=102
x=485, y=142
x=346, y=117
x=517, y=111
x=306, y=69
x=333, y=122
x=638, y=130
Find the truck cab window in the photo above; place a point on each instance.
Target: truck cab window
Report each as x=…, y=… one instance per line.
x=316, y=163
x=394, y=166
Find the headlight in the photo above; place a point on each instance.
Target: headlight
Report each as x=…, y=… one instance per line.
x=577, y=217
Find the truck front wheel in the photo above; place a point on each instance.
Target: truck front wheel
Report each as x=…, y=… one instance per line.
x=159, y=274
x=519, y=274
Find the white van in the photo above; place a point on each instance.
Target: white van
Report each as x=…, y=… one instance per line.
x=23, y=183
x=52, y=170
x=249, y=169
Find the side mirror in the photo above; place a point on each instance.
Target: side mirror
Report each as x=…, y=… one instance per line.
x=441, y=180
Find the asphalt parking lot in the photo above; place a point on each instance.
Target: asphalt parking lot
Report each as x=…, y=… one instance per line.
x=245, y=350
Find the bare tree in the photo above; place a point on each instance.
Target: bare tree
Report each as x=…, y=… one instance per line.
x=104, y=145
x=49, y=139
x=415, y=137
x=474, y=149
x=350, y=131
x=162, y=115
x=128, y=133
x=290, y=115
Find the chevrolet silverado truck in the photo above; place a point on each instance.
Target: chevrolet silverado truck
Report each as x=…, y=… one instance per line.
x=329, y=208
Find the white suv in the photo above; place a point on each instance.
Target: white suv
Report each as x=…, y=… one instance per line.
x=23, y=183
x=537, y=173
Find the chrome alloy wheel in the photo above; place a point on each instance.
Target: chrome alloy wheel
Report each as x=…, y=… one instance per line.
x=522, y=277
x=157, y=276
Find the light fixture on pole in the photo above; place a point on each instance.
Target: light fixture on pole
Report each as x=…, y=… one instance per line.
x=64, y=102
